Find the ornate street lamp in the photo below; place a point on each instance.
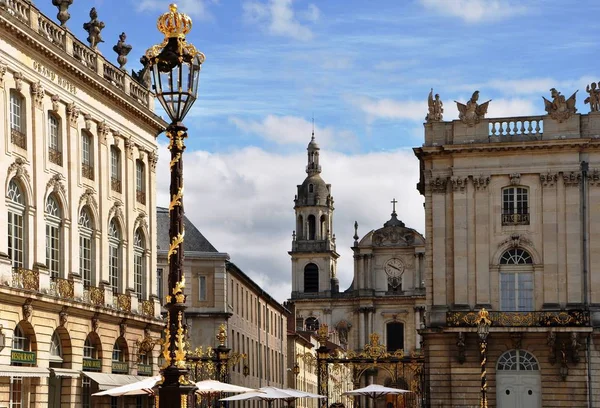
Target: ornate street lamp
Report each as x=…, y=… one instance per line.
x=296, y=371
x=483, y=329
x=175, y=66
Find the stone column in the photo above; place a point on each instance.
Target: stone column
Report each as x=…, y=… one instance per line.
x=549, y=218
x=72, y=162
x=36, y=148
x=460, y=240
x=479, y=278
x=361, y=328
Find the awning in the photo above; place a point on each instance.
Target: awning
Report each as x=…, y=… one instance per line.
x=107, y=381
x=65, y=372
x=23, y=371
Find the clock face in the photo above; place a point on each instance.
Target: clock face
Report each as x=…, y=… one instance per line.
x=394, y=267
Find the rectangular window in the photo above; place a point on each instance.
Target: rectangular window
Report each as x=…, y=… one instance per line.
x=15, y=112
x=16, y=392
x=113, y=267
x=87, y=164
x=516, y=292
x=54, y=148
x=140, y=182
x=515, y=206
x=114, y=402
x=201, y=288
x=15, y=239
x=85, y=260
x=52, y=250
x=138, y=277
x=159, y=283
x=115, y=169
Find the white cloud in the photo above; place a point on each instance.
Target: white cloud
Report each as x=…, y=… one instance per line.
x=195, y=8
x=242, y=202
x=476, y=11
x=294, y=130
x=390, y=108
x=280, y=18
x=498, y=108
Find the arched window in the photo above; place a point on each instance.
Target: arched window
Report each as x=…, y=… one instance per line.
x=312, y=226
x=311, y=278
x=517, y=360
x=56, y=356
x=395, y=336
x=92, y=361
x=311, y=188
x=53, y=237
x=139, y=264
x=20, y=340
x=86, y=248
x=515, y=206
x=140, y=182
x=115, y=169
x=312, y=324
x=323, y=227
x=17, y=119
x=87, y=156
x=300, y=227
x=516, y=280
x=54, y=139
x=16, y=225
x=119, y=357
x=114, y=256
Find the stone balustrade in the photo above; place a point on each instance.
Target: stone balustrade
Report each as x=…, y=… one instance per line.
x=518, y=126
x=68, y=45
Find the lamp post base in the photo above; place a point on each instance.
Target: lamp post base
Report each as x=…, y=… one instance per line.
x=176, y=391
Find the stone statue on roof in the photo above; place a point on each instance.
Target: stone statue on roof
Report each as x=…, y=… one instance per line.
x=436, y=108
x=93, y=28
x=471, y=113
x=559, y=108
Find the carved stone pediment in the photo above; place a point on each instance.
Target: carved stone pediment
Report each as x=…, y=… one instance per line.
x=89, y=199
x=515, y=241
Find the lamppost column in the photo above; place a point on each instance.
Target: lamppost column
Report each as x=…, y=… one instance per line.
x=483, y=329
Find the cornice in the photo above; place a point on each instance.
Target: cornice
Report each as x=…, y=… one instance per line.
x=70, y=64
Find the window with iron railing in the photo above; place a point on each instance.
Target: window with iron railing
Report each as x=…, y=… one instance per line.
x=515, y=206
x=17, y=119
x=54, y=140
x=140, y=182
x=115, y=169
x=87, y=164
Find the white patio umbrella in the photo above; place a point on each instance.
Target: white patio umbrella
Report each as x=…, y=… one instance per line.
x=213, y=386
x=271, y=394
x=375, y=391
x=137, y=388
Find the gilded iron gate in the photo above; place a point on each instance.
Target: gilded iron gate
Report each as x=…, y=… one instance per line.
x=403, y=371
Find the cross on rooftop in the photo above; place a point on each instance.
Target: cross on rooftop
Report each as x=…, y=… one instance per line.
x=394, y=205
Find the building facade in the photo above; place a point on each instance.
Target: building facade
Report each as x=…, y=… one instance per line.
x=77, y=293
x=511, y=224
x=386, y=296
x=222, y=294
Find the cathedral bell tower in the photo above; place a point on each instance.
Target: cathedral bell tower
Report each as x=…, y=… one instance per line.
x=313, y=253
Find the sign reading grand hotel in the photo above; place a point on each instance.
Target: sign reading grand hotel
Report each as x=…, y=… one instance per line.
x=92, y=364
x=54, y=77
x=23, y=357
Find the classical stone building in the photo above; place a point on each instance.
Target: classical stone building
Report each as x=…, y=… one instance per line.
x=222, y=294
x=77, y=281
x=512, y=226
x=386, y=296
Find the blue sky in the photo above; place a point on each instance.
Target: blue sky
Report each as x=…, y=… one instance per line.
x=363, y=69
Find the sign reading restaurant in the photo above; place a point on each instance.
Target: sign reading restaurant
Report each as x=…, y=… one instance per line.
x=23, y=357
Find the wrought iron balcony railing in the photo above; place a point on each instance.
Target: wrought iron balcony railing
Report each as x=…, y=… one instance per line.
x=147, y=308
x=62, y=288
x=18, y=138
x=559, y=318
x=26, y=279
x=115, y=184
x=515, y=219
x=93, y=296
x=140, y=196
x=122, y=302
x=55, y=156
x=87, y=171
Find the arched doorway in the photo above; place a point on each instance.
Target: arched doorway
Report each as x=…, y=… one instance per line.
x=518, y=380
x=60, y=368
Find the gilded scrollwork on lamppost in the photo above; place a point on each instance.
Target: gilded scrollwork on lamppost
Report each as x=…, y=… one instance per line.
x=483, y=329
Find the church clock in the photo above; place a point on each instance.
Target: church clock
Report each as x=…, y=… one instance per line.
x=394, y=268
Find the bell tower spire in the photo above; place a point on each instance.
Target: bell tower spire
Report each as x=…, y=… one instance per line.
x=314, y=257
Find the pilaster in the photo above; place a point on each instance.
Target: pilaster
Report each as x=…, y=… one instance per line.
x=460, y=240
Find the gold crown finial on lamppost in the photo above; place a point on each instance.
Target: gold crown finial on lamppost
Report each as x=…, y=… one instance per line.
x=174, y=24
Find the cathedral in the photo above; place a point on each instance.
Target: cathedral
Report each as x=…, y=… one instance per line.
x=387, y=294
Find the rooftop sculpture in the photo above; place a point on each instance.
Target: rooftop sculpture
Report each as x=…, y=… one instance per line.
x=559, y=108
x=471, y=113
x=436, y=108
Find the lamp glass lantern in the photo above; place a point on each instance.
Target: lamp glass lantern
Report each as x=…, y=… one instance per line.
x=483, y=330
x=296, y=369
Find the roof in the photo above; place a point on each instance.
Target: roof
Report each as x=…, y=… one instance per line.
x=194, y=240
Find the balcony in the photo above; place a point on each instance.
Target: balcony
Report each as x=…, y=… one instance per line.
x=115, y=184
x=55, y=156
x=147, y=308
x=313, y=246
x=93, y=296
x=515, y=219
x=65, y=44
x=62, y=288
x=18, y=138
x=122, y=302
x=561, y=318
x=140, y=196
x=26, y=279
x=87, y=171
